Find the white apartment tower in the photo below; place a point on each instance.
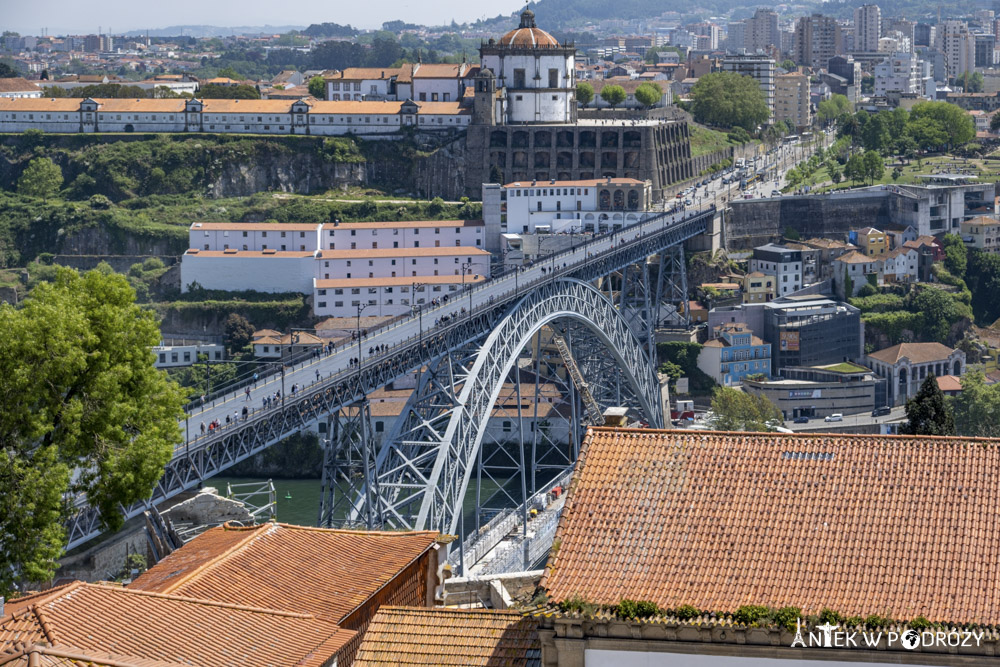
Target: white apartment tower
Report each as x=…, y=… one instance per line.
x=958, y=46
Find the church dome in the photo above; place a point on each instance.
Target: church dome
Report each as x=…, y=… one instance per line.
x=527, y=35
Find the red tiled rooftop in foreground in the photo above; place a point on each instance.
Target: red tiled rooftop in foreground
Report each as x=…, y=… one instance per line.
x=440, y=636
x=152, y=626
x=329, y=573
x=893, y=525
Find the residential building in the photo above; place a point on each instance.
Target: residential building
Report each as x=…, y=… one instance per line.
x=470, y=637
x=929, y=250
x=369, y=83
x=758, y=68
x=270, y=344
x=958, y=46
x=810, y=331
x=178, y=356
x=301, y=570
x=17, y=87
x=817, y=39
x=901, y=73
x=870, y=241
x=758, y=287
x=982, y=233
x=725, y=500
x=783, y=263
x=762, y=31
x=137, y=627
x=851, y=272
x=736, y=36
x=867, y=27
x=900, y=234
x=827, y=250
x=792, y=100
x=907, y=365
x=847, y=68
x=950, y=385
x=554, y=207
x=985, y=45
x=734, y=353
x=819, y=391
x=901, y=266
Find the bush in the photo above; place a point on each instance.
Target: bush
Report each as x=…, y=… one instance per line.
x=750, y=614
x=919, y=623
x=577, y=604
x=686, y=612
x=867, y=290
x=636, y=609
x=787, y=616
x=828, y=615
x=874, y=621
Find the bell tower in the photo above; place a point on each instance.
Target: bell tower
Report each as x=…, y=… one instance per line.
x=484, y=104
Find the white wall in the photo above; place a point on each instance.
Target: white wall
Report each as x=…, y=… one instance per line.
x=347, y=236
x=289, y=272
x=402, y=266
x=280, y=235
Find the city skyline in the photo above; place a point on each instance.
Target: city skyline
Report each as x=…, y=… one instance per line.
x=63, y=17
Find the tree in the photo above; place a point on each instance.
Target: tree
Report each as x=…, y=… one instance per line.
x=972, y=82
x=42, y=178
x=834, y=170
x=977, y=407
x=239, y=332
x=648, y=94
x=317, y=87
x=787, y=64
x=84, y=412
x=956, y=125
x=613, y=95
x=738, y=136
x=855, y=168
x=938, y=311
x=735, y=410
x=955, y=255
x=927, y=413
x=584, y=93
x=8, y=72
x=728, y=99
x=875, y=133
x=830, y=110
x=217, y=92
x=896, y=173
x=874, y=166
x=995, y=123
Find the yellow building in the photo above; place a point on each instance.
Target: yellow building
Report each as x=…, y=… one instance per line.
x=872, y=242
x=758, y=287
x=791, y=99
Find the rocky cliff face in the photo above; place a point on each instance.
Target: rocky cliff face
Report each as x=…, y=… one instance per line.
x=299, y=173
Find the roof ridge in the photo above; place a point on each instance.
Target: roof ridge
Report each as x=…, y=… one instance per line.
x=251, y=531
x=452, y=610
x=377, y=533
x=40, y=595
x=796, y=436
x=43, y=623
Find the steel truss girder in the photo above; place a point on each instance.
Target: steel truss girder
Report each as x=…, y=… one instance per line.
x=209, y=456
x=349, y=464
x=437, y=483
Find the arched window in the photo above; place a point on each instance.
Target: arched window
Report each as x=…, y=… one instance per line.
x=619, y=200
x=633, y=200
x=605, y=200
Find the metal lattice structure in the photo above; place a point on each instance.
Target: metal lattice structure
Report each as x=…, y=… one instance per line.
x=445, y=352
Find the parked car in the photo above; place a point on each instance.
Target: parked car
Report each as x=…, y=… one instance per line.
x=802, y=419
x=836, y=417
x=775, y=193
x=687, y=202
x=881, y=412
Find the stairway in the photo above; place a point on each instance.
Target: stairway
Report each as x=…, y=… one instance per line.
x=593, y=409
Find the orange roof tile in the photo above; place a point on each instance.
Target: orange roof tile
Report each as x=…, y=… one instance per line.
x=918, y=353
x=440, y=636
x=949, y=383
x=855, y=257
x=403, y=224
x=42, y=655
x=328, y=573
x=18, y=84
x=392, y=282
x=443, y=251
x=891, y=525
x=42, y=104
x=96, y=617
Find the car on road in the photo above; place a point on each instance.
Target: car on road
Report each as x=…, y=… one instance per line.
x=680, y=194
x=687, y=202
x=835, y=417
x=881, y=412
x=802, y=419
x=775, y=193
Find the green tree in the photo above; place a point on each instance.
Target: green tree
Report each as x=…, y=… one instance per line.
x=896, y=173
x=584, y=93
x=42, y=178
x=728, y=99
x=875, y=134
x=938, y=311
x=613, y=95
x=874, y=165
x=735, y=410
x=84, y=412
x=239, y=332
x=217, y=92
x=927, y=413
x=738, y=136
x=977, y=407
x=830, y=110
x=835, y=173
x=971, y=82
x=787, y=64
x=957, y=125
x=8, y=72
x=995, y=123
x=317, y=87
x=955, y=255
x=648, y=94
x=855, y=168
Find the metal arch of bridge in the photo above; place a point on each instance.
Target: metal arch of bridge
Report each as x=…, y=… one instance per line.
x=422, y=484
x=204, y=457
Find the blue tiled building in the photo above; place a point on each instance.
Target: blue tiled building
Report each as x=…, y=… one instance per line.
x=734, y=354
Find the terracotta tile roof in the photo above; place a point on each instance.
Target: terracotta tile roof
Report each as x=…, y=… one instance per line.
x=254, y=226
x=918, y=353
x=265, y=333
x=96, y=617
x=358, y=73
x=438, y=71
x=392, y=282
x=892, y=525
x=42, y=655
x=855, y=257
x=443, y=251
x=18, y=84
x=113, y=105
x=949, y=383
x=349, y=107
x=328, y=573
x=403, y=224
x=401, y=636
x=41, y=104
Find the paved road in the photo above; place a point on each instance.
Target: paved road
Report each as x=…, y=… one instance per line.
x=860, y=419
x=307, y=373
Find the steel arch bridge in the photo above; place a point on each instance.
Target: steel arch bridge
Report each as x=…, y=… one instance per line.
x=342, y=388
x=422, y=479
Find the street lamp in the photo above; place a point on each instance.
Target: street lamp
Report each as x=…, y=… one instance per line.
x=419, y=309
x=467, y=267
x=361, y=306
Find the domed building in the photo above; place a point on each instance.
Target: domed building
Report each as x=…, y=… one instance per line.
x=533, y=74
